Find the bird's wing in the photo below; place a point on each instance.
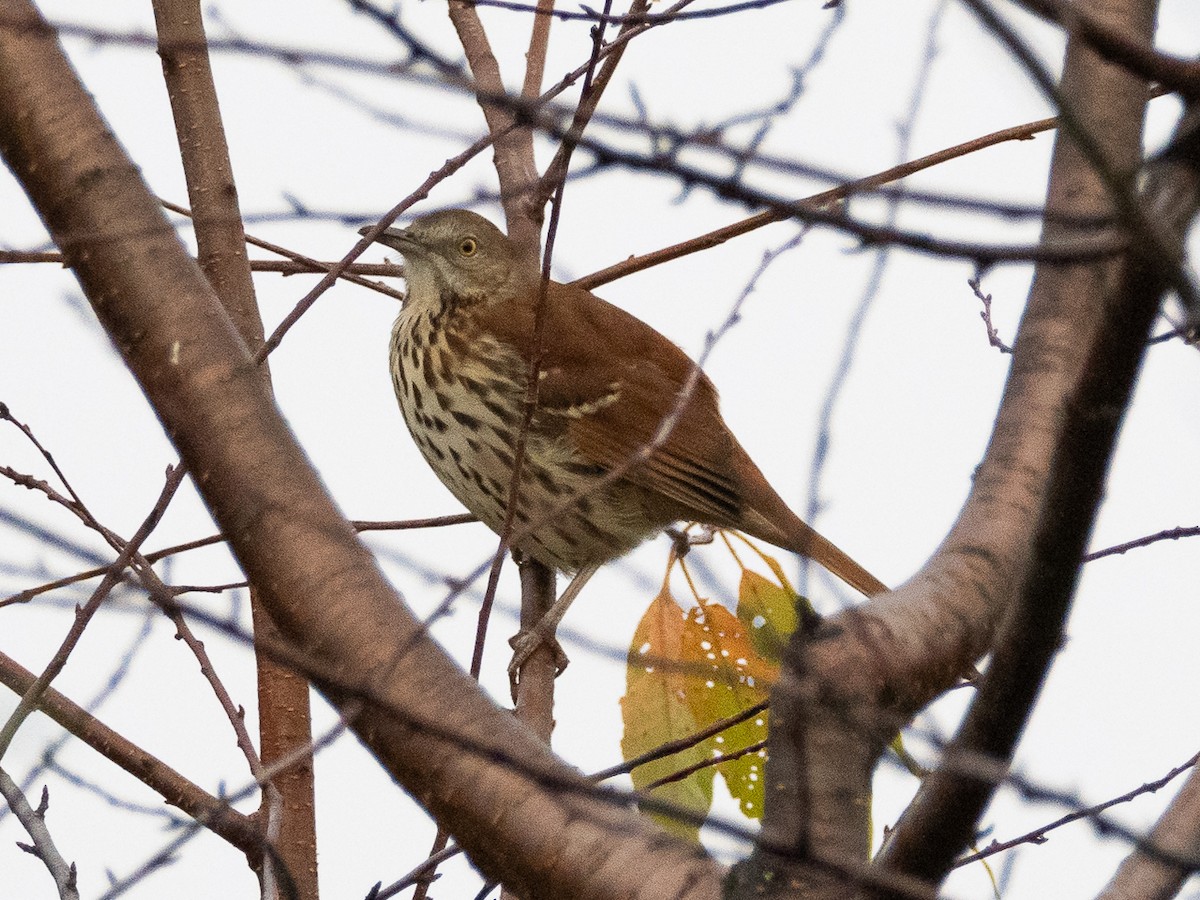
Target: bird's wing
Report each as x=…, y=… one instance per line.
x=620, y=384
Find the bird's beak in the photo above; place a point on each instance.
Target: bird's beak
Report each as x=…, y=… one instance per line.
x=396, y=238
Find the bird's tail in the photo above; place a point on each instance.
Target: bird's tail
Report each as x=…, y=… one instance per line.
x=835, y=561
x=766, y=515
x=787, y=530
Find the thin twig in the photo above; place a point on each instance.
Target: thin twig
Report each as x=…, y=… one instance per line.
x=1038, y=835
x=215, y=814
x=850, y=343
x=632, y=17
x=986, y=299
x=706, y=764
x=670, y=748
x=359, y=525
x=824, y=198
x=295, y=264
x=594, y=84
x=1170, y=534
x=167, y=853
x=417, y=876
x=300, y=262
x=159, y=592
x=30, y=699
x=43, y=847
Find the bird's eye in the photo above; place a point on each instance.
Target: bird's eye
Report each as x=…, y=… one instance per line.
x=468, y=246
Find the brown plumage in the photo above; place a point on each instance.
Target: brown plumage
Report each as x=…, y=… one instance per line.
x=460, y=353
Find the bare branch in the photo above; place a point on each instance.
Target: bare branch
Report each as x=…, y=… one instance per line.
x=535, y=57
x=716, y=760
x=1121, y=302
x=1114, y=45
x=301, y=263
x=215, y=814
x=986, y=299
x=1161, y=864
x=1169, y=534
x=44, y=848
x=681, y=744
x=1038, y=835
x=159, y=592
x=637, y=16
x=419, y=876
x=295, y=264
x=284, y=716
x=514, y=140
x=593, y=89
x=31, y=697
x=359, y=525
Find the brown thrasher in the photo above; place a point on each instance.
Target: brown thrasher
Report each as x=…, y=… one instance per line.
x=460, y=358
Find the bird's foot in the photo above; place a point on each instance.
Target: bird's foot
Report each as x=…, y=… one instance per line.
x=524, y=643
x=684, y=539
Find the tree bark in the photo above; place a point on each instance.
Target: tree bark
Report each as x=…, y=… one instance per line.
x=284, y=718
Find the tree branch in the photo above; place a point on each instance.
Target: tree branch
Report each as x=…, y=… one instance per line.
x=1077, y=352
x=536, y=826
x=513, y=140
x=44, y=848
x=284, y=717
x=125, y=556
x=1115, y=305
x=216, y=815
x=1113, y=44
x=1149, y=872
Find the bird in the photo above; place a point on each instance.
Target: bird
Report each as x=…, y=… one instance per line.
x=626, y=436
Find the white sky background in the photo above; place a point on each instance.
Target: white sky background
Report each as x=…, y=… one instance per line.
x=910, y=426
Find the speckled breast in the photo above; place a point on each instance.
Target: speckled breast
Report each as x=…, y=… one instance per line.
x=462, y=392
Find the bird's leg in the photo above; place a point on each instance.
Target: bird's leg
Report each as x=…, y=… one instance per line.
x=526, y=642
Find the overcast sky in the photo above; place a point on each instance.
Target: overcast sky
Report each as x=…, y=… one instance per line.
x=909, y=421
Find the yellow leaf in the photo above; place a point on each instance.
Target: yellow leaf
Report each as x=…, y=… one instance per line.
x=768, y=611
x=655, y=710
x=735, y=678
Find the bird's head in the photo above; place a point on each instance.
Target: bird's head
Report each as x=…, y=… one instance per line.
x=457, y=252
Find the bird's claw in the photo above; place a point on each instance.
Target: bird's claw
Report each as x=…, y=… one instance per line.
x=524, y=643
